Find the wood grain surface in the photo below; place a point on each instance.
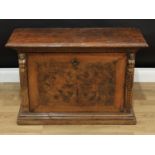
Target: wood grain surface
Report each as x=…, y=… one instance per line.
x=76, y=37
x=144, y=105
x=76, y=82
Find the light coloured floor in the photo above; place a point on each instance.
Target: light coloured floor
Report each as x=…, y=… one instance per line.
x=144, y=105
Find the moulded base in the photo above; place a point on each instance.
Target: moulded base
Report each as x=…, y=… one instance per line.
x=31, y=118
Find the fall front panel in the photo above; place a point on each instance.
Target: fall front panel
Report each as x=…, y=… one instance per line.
x=76, y=82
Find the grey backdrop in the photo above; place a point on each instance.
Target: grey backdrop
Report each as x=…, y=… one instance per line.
x=145, y=57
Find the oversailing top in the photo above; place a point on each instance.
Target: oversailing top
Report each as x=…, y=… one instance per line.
x=77, y=37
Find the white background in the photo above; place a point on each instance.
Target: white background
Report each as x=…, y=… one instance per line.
x=77, y=145
x=74, y=9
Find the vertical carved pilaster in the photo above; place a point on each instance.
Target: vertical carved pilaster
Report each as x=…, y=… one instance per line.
x=22, y=68
x=129, y=81
x=23, y=81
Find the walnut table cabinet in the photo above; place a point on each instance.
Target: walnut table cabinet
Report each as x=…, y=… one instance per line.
x=76, y=75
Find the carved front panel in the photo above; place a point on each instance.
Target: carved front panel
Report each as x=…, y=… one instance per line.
x=76, y=82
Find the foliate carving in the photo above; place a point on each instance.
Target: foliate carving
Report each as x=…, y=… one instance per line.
x=22, y=61
x=129, y=80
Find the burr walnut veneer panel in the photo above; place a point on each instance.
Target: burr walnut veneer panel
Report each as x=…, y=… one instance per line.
x=76, y=82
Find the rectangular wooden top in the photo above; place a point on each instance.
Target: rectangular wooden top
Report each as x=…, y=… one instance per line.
x=77, y=37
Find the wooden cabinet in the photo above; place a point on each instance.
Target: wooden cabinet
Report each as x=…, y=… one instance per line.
x=76, y=76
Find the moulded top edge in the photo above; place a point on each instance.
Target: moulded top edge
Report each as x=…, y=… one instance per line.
x=77, y=37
